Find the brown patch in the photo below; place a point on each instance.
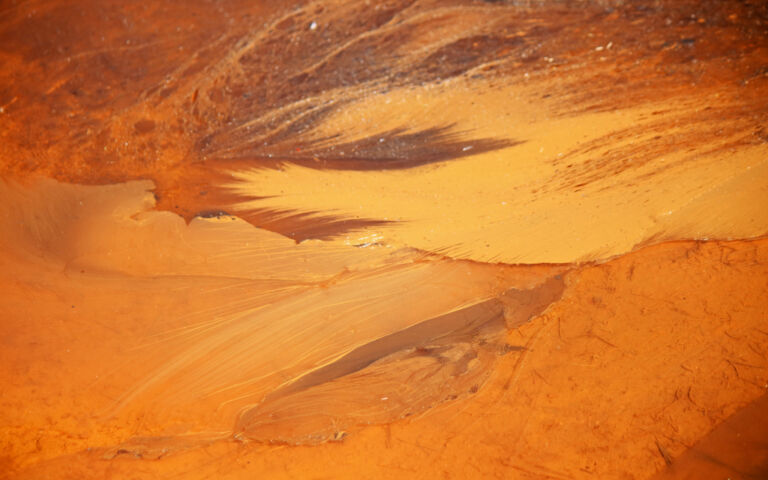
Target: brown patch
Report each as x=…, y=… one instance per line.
x=197, y=192
x=144, y=126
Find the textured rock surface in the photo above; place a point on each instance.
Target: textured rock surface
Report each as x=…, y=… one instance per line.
x=348, y=239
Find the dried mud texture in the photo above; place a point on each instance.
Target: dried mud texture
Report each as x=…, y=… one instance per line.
x=347, y=239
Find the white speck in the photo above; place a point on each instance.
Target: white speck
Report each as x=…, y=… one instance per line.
x=599, y=49
x=468, y=147
x=381, y=140
x=385, y=398
x=313, y=26
x=608, y=47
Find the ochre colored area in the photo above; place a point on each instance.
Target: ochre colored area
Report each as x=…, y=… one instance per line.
x=471, y=128
x=517, y=205
x=648, y=351
x=217, y=314
x=398, y=239
x=734, y=449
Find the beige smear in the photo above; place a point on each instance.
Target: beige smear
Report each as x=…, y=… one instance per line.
x=520, y=205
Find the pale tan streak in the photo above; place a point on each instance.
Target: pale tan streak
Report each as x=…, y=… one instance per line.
x=512, y=205
x=273, y=310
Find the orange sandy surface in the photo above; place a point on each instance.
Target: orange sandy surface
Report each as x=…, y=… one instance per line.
x=417, y=239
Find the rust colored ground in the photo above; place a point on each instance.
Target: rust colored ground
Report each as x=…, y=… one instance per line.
x=418, y=239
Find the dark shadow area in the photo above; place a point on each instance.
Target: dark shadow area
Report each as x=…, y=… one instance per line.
x=305, y=225
x=394, y=149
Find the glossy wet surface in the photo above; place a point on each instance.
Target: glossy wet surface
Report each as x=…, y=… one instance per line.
x=334, y=239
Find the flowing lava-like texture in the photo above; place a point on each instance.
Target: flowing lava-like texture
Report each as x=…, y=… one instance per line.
x=408, y=238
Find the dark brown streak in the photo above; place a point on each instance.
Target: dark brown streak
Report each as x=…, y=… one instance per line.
x=306, y=225
x=394, y=149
